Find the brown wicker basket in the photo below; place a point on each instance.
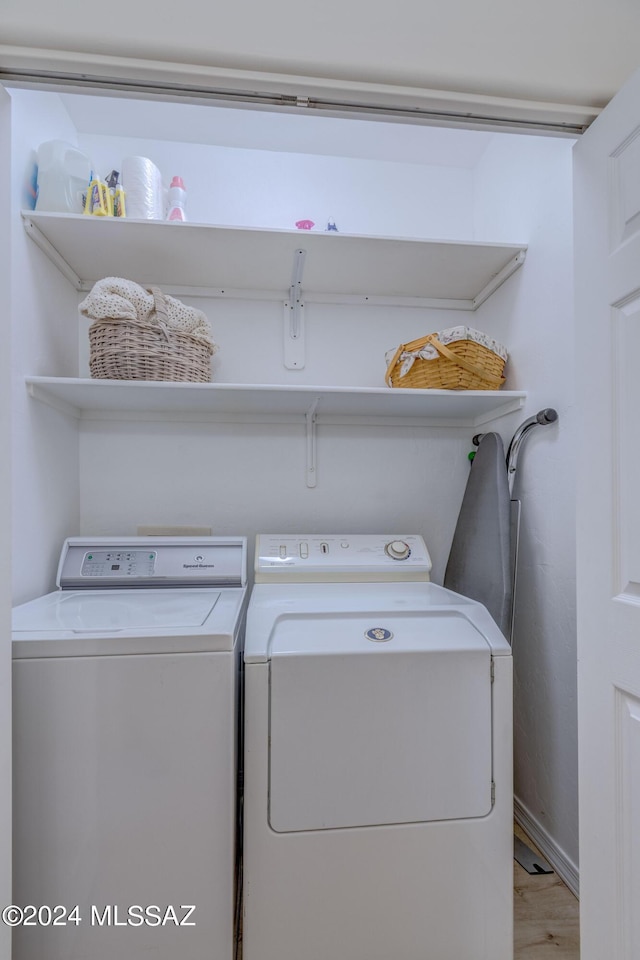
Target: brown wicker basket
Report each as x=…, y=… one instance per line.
x=134, y=350
x=461, y=365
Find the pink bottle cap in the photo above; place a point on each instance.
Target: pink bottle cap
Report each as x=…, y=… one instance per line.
x=177, y=182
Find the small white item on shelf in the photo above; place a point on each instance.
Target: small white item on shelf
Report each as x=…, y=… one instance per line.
x=143, y=184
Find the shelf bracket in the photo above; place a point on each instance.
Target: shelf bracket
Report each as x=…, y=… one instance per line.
x=311, y=417
x=47, y=248
x=499, y=279
x=294, y=358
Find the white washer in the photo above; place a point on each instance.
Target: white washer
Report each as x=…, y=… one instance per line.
x=378, y=768
x=126, y=699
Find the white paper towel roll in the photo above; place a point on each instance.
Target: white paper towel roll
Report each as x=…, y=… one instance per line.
x=142, y=182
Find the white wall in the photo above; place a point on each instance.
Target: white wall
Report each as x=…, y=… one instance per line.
x=523, y=189
x=264, y=188
x=250, y=478
x=44, y=323
x=378, y=480
x=242, y=478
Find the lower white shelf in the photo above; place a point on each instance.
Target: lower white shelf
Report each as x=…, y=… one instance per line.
x=113, y=399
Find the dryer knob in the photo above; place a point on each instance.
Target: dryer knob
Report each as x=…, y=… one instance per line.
x=398, y=550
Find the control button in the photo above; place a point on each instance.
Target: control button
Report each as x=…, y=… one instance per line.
x=324, y=547
x=398, y=550
x=283, y=552
x=304, y=550
x=344, y=544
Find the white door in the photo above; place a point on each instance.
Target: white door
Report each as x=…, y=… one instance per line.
x=5, y=519
x=607, y=217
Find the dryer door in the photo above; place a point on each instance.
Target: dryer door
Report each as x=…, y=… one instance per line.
x=378, y=721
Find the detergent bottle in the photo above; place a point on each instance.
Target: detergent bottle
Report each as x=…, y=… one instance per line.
x=177, y=200
x=116, y=195
x=63, y=175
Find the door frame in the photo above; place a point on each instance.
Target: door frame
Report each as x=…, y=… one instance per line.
x=5, y=519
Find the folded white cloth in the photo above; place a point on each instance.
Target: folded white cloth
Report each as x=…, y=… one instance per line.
x=117, y=299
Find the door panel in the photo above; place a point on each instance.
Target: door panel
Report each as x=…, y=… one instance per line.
x=625, y=190
x=607, y=243
x=626, y=385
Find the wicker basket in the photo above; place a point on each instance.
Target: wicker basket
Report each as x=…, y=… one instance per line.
x=461, y=365
x=126, y=349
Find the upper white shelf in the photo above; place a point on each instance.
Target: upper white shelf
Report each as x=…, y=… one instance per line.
x=222, y=261
x=115, y=398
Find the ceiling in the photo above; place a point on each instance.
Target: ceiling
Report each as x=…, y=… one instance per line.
x=563, y=51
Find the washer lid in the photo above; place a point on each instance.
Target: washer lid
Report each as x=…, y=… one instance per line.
x=121, y=622
x=117, y=610
x=374, y=633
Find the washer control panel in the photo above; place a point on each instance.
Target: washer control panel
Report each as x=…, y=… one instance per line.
x=118, y=563
x=337, y=557
x=99, y=563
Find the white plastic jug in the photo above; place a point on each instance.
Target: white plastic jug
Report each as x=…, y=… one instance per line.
x=63, y=177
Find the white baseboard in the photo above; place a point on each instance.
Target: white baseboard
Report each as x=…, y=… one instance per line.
x=561, y=863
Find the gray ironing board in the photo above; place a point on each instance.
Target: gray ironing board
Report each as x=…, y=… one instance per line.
x=479, y=563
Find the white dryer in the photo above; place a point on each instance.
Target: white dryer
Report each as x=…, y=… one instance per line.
x=378, y=759
x=126, y=702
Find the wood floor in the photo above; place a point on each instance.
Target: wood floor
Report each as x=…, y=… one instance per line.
x=546, y=916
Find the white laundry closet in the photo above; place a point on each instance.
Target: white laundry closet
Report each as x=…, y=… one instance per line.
x=307, y=450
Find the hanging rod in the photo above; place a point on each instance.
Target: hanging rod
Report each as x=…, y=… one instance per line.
x=159, y=79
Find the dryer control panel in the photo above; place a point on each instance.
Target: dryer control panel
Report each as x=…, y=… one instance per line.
x=341, y=557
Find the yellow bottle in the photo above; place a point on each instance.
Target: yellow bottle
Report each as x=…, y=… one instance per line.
x=119, y=206
x=98, y=202
x=116, y=195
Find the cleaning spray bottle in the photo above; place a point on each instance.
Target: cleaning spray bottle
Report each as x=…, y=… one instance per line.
x=116, y=195
x=177, y=200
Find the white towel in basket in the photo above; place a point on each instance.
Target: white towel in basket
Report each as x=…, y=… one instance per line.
x=119, y=299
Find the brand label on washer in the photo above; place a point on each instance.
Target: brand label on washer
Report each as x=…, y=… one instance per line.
x=378, y=634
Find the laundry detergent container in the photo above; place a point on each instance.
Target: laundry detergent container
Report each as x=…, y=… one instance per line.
x=63, y=177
